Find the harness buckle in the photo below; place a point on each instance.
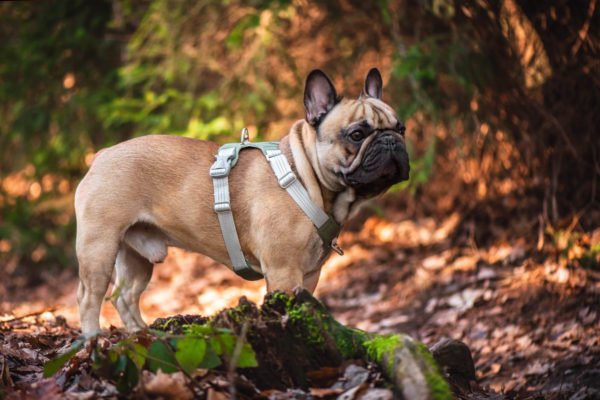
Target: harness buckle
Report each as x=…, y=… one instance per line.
x=221, y=167
x=222, y=207
x=273, y=153
x=287, y=180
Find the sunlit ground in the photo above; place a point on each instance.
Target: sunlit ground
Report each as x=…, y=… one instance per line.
x=523, y=315
x=188, y=283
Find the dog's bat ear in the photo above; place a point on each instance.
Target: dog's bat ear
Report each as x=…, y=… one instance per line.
x=373, y=84
x=319, y=96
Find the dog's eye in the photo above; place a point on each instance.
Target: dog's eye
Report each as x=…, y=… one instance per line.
x=401, y=128
x=357, y=135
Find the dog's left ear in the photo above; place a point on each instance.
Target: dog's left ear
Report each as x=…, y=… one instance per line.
x=373, y=84
x=319, y=96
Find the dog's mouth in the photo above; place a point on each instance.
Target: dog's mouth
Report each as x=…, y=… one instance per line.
x=384, y=164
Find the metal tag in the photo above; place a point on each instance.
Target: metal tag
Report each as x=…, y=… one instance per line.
x=336, y=247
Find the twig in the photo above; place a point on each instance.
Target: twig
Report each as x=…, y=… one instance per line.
x=554, y=188
x=237, y=351
x=583, y=32
x=32, y=314
x=540, y=241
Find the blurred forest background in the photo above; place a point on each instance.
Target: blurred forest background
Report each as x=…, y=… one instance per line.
x=501, y=100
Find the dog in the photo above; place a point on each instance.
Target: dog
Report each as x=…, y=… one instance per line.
x=141, y=196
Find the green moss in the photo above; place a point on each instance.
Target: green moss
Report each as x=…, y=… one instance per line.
x=440, y=390
x=350, y=342
x=239, y=314
x=381, y=349
x=317, y=327
x=310, y=321
x=438, y=386
x=167, y=325
x=279, y=297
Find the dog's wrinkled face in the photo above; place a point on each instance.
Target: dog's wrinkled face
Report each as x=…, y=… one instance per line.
x=360, y=143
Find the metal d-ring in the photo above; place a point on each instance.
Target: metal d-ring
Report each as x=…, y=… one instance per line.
x=245, y=139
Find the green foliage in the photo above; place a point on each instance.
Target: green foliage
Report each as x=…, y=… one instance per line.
x=161, y=356
x=54, y=365
x=202, y=346
x=78, y=76
x=190, y=353
x=56, y=68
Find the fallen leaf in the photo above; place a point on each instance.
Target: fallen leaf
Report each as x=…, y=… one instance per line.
x=170, y=386
x=354, y=375
x=434, y=262
x=495, y=368
x=376, y=394
x=537, y=368
x=215, y=395
x=445, y=317
x=352, y=394
x=395, y=320
x=465, y=300
x=323, y=376
x=5, y=378
x=87, y=395
x=486, y=273
x=465, y=263
x=324, y=392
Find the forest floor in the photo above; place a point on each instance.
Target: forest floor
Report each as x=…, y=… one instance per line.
x=527, y=303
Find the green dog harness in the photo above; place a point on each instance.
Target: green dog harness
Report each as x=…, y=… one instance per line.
x=225, y=160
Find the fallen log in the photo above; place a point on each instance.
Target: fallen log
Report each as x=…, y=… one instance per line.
x=292, y=335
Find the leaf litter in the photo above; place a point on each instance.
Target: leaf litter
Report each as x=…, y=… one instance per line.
x=529, y=316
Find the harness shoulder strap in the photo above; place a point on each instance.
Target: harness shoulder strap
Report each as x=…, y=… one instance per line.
x=219, y=172
x=327, y=228
x=227, y=157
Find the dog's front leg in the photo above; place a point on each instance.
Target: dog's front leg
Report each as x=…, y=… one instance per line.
x=282, y=277
x=311, y=279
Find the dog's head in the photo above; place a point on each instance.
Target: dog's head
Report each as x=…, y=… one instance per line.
x=360, y=142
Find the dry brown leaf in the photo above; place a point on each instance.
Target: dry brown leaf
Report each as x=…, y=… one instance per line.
x=376, y=394
x=465, y=300
x=87, y=395
x=465, y=263
x=216, y=395
x=324, y=392
x=5, y=378
x=538, y=368
x=170, y=386
x=495, y=368
x=323, y=376
x=445, y=317
x=434, y=262
x=352, y=394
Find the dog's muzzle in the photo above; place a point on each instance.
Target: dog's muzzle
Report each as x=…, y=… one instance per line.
x=384, y=163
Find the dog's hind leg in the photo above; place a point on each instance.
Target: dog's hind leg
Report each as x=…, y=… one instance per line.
x=96, y=263
x=133, y=274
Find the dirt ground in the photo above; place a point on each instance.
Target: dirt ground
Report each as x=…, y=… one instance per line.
x=527, y=307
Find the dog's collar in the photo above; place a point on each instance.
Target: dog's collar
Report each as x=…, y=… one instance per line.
x=226, y=158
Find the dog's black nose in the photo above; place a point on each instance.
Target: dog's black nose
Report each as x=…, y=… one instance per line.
x=388, y=139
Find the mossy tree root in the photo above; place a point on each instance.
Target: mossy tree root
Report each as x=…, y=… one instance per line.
x=292, y=335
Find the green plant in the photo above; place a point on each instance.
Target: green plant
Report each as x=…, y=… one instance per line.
x=201, y=346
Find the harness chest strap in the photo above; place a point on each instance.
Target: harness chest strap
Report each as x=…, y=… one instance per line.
x=226, y=159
